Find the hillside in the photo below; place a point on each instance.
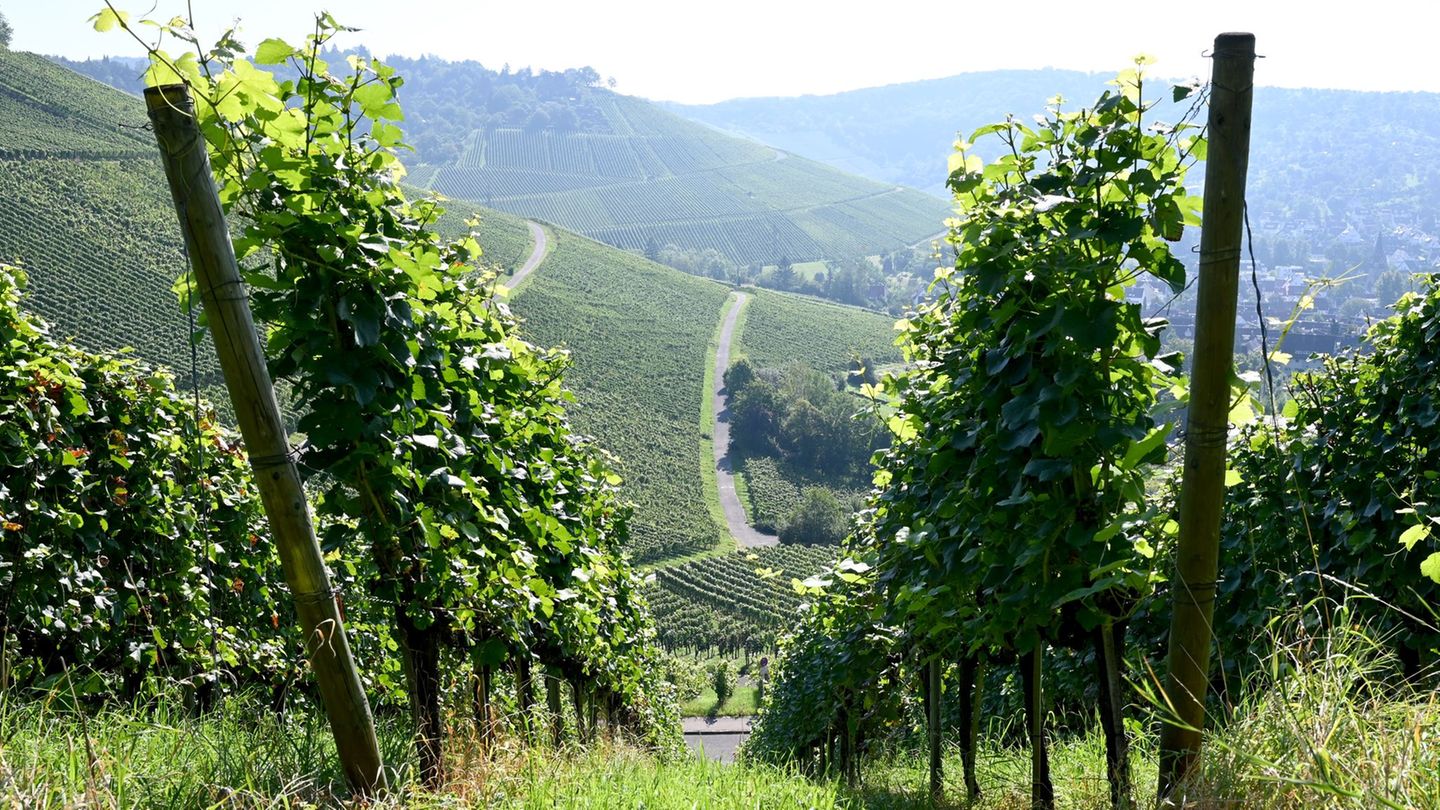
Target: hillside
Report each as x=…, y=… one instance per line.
x=638, y=333
x=558, y=147
x=1317, y=155
x=650, y=178
x=87, y=211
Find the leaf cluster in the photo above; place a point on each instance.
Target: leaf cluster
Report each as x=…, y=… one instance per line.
x=436, y=439
x=132, y=544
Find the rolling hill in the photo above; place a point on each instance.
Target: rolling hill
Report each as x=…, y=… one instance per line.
x=648, y=177
x=83, y=204
x=621, y=170
x=1316, y=155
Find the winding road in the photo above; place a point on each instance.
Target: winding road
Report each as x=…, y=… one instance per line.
x=537, y=255
x=745, y=534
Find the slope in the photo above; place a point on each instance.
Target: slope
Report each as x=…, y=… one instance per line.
x=646, y=178
x=84, y=207
x=84, y=204
x=1316, y=155
x=638, y=334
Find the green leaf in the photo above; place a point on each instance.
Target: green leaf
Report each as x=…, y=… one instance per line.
x=1431, y=567
x=273, y=52
x=108, y=18
x=1414, y=534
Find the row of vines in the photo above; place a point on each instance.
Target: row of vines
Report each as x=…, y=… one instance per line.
x=467, y=526
x=732, y=602
x=1021, y=529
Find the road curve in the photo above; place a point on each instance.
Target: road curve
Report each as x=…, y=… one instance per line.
x=745, y=534
x=537, y=255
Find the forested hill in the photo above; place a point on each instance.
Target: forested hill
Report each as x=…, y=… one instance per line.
x=1314, y=152
x=899, y=133
x=563, y=148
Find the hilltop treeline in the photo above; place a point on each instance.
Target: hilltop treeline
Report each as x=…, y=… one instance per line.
x=444, y=100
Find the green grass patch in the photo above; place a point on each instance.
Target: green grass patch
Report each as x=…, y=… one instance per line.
x=742, y=703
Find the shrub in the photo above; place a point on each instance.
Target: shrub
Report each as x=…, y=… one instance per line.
x=820, y=519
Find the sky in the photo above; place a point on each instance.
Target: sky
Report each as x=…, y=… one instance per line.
x=702, y=51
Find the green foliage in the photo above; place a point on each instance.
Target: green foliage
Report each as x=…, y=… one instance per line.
x=637, y=334
x=802, y=417
x=1024, y=431
x=450, y=481
x=133, y=545
x=722, y=680
x=1345, y=485
x=732, y=602
x=1011, y=510
x=820, y=519
x=6, y=32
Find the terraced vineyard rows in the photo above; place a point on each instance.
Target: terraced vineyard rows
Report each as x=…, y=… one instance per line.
x=638, y=334
x=732, y=601
x=781, y=328
x=657, y=177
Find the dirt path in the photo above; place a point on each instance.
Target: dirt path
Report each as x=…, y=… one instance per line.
x=745, y=534
x=537, y=255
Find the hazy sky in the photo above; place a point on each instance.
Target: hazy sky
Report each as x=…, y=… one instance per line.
x=708, y=50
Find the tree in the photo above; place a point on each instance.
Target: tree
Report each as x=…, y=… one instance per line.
x=6, y=32
x=785, y=274
x=820, y=519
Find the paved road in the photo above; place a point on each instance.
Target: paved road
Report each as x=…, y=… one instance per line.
x=537, y=255
x=716, y=738
x=745, y=534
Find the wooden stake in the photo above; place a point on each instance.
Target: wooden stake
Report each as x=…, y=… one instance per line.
x=934, y=696
x=1203, y=487
x=552, y=703
x=207, y=239
x=1109, y=642
x=1032, y=678
x=972, y=684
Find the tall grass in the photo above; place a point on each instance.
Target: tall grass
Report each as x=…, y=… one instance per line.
x=1328, y=725
x=1331, y=724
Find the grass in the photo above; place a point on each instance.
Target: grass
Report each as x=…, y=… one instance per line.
x=743, y=702
x=1330, y=730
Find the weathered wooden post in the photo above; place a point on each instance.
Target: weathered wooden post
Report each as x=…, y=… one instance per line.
x=972, y=687
x=934, y=695
x=242, y=361
x=1207, y=423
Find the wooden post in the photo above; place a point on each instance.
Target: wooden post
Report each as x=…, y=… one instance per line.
x=552, y=703
x=1202, y=490
x=207, y=239
x=934, y=696
x=1032, y=678
x=972, y=685
x=1109, y=643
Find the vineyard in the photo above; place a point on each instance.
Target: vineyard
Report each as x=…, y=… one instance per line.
x=780, y=329
x=732, y=602
x=637, y=333
x=88, y=213
x=654, y=177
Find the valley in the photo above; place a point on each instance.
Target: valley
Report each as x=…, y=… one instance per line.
x=887, y=469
